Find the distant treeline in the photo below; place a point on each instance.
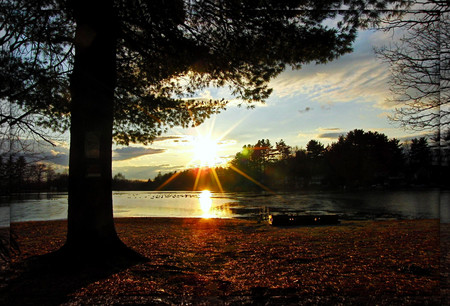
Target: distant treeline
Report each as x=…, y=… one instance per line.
x=357, y=160
x=18, y=175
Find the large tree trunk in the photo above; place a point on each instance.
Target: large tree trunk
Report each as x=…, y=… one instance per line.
x=90, y=215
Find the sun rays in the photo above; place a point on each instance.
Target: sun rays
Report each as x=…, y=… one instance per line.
x=207, y=156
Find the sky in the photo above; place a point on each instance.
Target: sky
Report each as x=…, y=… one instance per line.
x=317, y=102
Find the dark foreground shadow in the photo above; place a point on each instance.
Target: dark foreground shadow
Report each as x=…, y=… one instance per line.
x=51, y=279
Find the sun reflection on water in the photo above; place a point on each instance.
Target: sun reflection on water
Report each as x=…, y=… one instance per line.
x=205, y=203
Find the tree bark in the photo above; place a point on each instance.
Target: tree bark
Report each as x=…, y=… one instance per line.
x=90, y=213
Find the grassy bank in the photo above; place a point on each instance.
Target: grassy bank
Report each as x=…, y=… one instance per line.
x=240, y=261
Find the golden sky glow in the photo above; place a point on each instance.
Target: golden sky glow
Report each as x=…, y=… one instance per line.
x=317, y=102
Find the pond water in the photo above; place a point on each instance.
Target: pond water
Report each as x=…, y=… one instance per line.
x=410, y=204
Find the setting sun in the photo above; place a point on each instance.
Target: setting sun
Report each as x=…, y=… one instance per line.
x=205, y=151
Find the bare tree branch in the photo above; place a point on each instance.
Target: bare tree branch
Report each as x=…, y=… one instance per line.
x=419, y=65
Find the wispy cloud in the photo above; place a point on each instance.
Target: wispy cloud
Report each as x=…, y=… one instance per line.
x=358, y=76
x=384, y=115
x=359, y=79
x=168, y=138
x=329, y=129
x=134, y=152
x=408, y=138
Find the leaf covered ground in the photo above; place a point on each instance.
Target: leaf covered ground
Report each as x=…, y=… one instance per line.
x=229, y=261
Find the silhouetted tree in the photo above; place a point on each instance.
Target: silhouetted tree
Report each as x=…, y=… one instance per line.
x=279, y=170
x=34, y=56
x=261, y=156
x=297, y=165
x=282, y=150
x=445, y=152
x=131, y=63
x=314, y=149
x=420, y=160
x=243, y=162
x=119, y=176
x=315, y=160
x=363, y=158
x=3, y=177
x=444, y=179
x=420, y=152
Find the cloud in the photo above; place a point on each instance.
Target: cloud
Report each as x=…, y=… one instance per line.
x=358, y=76
x=206, y=95
x=408, y=138
x=145, y=172
x=329, y=129
x=326, y=107
x=57, y=158
x=226, y=94
x=384, y=115
x=305, y=110
x=304, y=135
x=331, y=135
x=61, y=144
x=134, y=152
x=165, y=138
x=359, y=79
x=227, y=142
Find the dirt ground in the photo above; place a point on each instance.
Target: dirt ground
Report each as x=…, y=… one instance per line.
x=236, y=262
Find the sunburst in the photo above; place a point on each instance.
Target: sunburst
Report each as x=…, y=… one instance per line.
x=206, y=153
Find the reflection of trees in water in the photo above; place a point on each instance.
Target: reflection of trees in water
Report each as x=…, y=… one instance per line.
x=411, y=204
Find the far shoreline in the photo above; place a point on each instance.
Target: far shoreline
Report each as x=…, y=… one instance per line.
x=310, y=189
